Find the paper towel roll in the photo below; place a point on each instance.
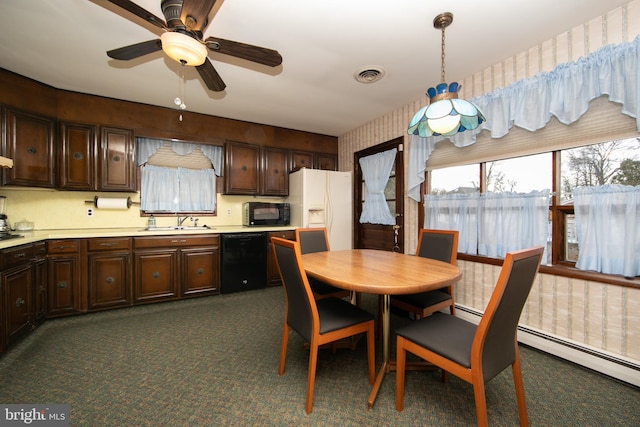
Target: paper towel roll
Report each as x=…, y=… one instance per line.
x=112, y=203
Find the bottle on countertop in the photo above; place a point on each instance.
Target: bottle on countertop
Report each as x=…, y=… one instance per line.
x=151, y=222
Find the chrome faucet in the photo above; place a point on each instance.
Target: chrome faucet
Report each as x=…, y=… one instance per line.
x=180, y=221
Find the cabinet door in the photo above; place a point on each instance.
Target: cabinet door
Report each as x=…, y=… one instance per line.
x=117, y=165
x=328, y=162
x=40, y=290
x=273, y=274
x=17, y=285
x=275, y=171
x=200, y=271
x=155, y=275
x=242, y=168
x=64, y=285
x=29, y=140
x=109, y=280
x=77, y=165
x=300, y=159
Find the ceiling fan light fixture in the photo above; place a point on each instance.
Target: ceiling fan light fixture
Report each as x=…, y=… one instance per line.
x=446, y=114
x=183, y=48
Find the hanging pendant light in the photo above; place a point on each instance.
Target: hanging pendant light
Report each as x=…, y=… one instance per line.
x=446, y=114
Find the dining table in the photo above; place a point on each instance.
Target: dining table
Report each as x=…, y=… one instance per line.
x=383, y=273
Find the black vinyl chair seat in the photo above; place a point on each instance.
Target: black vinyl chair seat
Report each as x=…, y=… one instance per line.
x=424, y=299
x=452, y=335
x=337, y=313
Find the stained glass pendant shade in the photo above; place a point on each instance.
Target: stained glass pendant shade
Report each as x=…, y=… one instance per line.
x=446, y=114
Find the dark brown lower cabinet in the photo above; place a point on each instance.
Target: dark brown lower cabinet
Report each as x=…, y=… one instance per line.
x=109, y=272
x=170, y=267
x=273, y=274
x=17, y=284
x=63, y=265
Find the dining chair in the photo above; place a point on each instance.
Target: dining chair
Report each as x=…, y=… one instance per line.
x=318, y=322
x=441, y=245
x=316, y=240
x=476, y=353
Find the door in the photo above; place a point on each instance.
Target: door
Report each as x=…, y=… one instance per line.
x=378, y=236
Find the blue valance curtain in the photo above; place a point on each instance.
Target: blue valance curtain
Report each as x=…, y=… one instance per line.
x=146, y=147
x=530, y=103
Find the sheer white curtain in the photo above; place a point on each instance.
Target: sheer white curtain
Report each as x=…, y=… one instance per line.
x=177, y=189
x=512, y=221
x=491, y=224
x=375, y=170
x=159, y=187
x=455, y=212
x=608, y=228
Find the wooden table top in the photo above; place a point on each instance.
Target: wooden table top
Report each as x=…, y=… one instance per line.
x=380, y=272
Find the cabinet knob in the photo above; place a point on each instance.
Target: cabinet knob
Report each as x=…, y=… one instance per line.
x=110, y=280
x=116, y=158
x=78, y=156
x=200, y=271
x=155, y=275
x=62, y=284
x=20, y=302
x=31, y=149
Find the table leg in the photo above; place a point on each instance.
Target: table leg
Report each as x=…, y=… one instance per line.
x=386, y=302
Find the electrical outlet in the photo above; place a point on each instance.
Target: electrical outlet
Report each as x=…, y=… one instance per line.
x=89, y=212
x=228, y=211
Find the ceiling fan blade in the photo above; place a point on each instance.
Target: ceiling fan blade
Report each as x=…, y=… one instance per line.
x=258, y=54
x=195, y=14
x=211, y=77
x=139, y=11
x=135, y=50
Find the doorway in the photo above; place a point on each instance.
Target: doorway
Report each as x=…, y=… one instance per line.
x=379, y=236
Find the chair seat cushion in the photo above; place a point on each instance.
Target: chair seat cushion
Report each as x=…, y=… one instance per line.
x=444, y=334
x=322, y=288
x=336, y=313
x=424, y=299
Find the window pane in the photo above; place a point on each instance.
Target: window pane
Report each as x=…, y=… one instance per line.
x=571, y=249
x=520, y=175
x=613, y=162
x=457, y=179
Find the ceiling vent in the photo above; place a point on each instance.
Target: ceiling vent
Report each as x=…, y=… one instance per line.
x=369, y=74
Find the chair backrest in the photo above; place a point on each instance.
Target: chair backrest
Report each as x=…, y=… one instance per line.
x=312, y=240
x=301, y=310
x=495, y=342
x=441, y=245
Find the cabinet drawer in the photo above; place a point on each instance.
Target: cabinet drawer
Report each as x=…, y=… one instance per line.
x=63, y=246
x=16, y=255
x=175, y=241
x=109, y=243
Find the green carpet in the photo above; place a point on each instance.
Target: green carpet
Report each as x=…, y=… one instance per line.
x=214, y=361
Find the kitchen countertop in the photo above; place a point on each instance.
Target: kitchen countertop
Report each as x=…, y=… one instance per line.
x=83, y=233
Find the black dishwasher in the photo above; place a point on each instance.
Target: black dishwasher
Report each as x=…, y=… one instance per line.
x=244, y=262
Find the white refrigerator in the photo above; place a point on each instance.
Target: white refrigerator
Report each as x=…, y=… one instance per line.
x=320, y=198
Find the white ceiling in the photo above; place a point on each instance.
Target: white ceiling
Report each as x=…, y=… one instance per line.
x=323, y=43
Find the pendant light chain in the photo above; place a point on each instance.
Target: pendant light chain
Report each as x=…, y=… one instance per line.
x=442, y=56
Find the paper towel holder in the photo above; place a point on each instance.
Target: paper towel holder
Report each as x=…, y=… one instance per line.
x=94, y=202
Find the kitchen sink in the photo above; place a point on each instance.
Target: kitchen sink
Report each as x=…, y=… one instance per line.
x=178, y=228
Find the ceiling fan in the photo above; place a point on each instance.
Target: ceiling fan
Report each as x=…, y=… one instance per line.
x=182, y=40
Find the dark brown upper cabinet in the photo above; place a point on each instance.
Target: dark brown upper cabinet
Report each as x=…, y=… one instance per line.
x=29, y=141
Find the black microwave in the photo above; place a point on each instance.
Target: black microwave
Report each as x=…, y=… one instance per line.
x=266, y=214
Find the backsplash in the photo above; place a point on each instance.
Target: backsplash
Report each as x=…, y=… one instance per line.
x=52, y=209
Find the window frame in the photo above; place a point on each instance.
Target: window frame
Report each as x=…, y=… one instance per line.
x=559, y=266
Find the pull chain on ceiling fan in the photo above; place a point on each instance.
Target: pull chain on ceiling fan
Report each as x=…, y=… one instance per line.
x=184, y=23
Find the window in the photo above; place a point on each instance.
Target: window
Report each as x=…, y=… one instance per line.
x=613, y=162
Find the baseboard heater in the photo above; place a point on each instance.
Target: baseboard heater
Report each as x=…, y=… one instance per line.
x=625, y=370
